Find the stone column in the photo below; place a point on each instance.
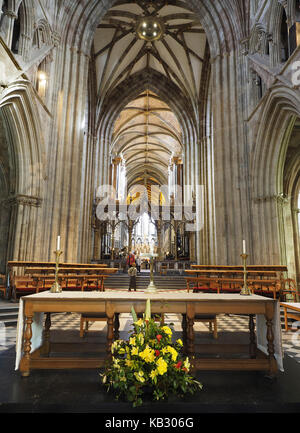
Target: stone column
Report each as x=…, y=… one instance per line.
x=67, y=199
x=8, y=26
x=159, y=234
x=115, y=166
x=231, y=171
x=24, y=238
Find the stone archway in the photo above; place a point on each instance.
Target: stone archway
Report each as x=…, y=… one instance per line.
x=25, y=180
x=226, y=25
x=273, y=180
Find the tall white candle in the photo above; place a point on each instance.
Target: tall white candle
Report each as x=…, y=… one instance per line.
x=244, y=247
x=58, y=243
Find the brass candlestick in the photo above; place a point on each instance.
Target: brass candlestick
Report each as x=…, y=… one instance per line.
x=245, y=290
x=56, y=288
x=151, y=288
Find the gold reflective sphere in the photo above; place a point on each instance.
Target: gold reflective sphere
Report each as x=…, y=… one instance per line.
x=150, y=28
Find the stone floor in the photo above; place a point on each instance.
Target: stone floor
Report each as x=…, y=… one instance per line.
x=81, y=391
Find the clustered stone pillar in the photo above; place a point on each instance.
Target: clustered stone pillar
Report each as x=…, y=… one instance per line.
x=231, y=171
x=9, y=17
x=65, y=195
x=23, y=234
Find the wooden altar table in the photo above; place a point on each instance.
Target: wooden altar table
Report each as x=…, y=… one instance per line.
x=36, y=352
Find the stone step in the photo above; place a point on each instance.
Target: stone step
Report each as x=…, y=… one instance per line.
x=9, y=322
x=8, y=313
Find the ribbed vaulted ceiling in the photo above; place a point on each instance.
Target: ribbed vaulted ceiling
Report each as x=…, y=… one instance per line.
x=147, y=133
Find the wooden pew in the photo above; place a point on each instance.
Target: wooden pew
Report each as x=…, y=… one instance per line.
x=3, y=285
x=38, y=283
x=277, y=268
x=27, y=264
x=69, y=271
x=87, y=273
x=23, y=286
x=264, y=282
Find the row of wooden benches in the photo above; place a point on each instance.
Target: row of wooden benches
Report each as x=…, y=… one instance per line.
x=261, y=279
x=26, y=277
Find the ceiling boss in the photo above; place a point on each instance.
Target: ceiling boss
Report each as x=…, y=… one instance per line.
x=150, y=28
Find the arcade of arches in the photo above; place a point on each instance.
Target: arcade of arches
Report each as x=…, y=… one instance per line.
x=160, y=102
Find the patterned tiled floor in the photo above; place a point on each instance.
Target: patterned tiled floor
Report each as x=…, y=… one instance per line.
x=227, y=324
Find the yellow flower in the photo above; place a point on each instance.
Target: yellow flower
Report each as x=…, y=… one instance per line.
x=187, y=364
x=129, y=363
x=140, y=338
x=121, y=351
x=139, y=322
x=167, y=330
x=164, y=350
x=179, y=341
x=132, y=341
x=148, y=354
x=116, y=362
x=140, y=376
x=153, y=374
x=173, y=352
x=162, y=366
x=134, y=351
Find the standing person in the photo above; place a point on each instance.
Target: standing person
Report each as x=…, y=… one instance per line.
x=131, y=259
x=124, y=263
x=132, y=274
x=138, y=264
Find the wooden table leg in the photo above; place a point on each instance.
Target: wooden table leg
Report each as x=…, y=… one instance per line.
x=285, y=319
x=45, y=350
x=252, y=346
x=25, y=361
x=270, y=339
x=190, y=329
x=184, y=332
x=110, y=326
x=117, y=325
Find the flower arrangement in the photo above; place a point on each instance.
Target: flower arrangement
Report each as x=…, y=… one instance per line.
x=148, y=361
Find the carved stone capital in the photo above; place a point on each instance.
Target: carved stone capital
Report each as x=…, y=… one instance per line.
x=56, y=38
x=10, y=14
x=24, y=200
x=279, y=198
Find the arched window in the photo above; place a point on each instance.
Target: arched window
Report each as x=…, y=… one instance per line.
x=284, y=38
x=38, y=38
x=17, y=31
x=297, y=11
x=42, y=34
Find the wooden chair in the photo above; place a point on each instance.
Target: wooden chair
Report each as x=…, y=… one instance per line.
x=86, y=318
x=205, y=318
x=289, y=292
x=211, y=319
x=291, y=311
